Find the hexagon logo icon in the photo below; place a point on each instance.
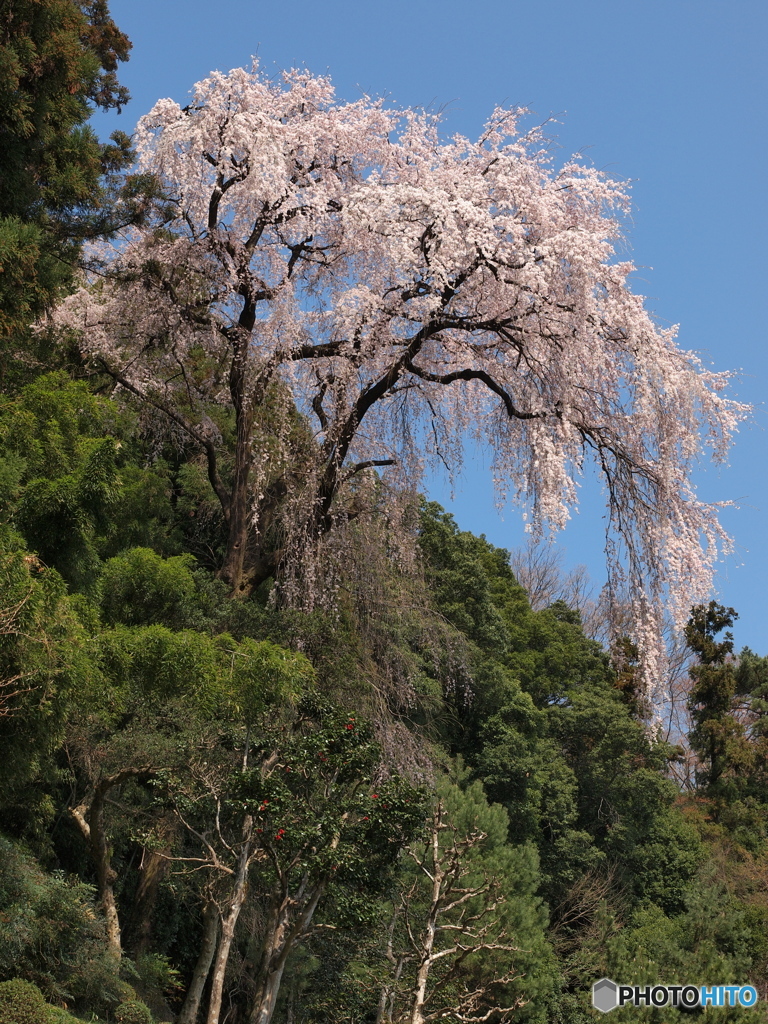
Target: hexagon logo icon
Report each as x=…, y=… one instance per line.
x=605, y=995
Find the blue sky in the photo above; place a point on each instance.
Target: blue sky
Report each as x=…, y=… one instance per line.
x=668, y=94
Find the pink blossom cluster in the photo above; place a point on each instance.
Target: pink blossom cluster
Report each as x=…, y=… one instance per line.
x=408, y=292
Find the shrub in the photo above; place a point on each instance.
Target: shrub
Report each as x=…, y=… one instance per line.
x=133, y=1012
x=140, y=588
x=21, y=1002
x=52, y=934
x=56, y=1015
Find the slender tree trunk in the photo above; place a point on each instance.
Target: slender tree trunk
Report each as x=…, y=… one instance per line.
x=288, y=925
x=220, y=963
x=387, y=993
x=281, y=940
x=419, y=996
x=268, y=996
x=272, y=963
x=191, y=1007
x=228, y=923
x=91, y=823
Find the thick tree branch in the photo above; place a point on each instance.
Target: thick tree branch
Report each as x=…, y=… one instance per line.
x=448, y=378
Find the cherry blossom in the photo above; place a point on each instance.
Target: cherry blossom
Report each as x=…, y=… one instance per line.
x=403, y=294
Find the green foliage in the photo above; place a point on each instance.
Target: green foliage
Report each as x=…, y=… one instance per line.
x=155, y=673
x=227, y=724
x=50, y=933
x=240, y=681
x=545, y=652
x=133, y=1012
x=317, y=808
x=144, y=515
x=709, y=944
x=58, y=1015
x=549, y=734
x=463, y=590
x=44, y=658
x=60, y=517
x=199, y=515
x=62, y=470
x=515, y=870
x=46, y=422
x=22, y=1003
x=156, y=976
x=467, y=900
x=57, y=58
x=718, y=736
x=141, y=588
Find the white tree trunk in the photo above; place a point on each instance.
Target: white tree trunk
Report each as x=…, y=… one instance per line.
x=228, y=923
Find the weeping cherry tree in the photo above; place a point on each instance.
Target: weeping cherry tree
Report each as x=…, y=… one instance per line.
x=394, y=295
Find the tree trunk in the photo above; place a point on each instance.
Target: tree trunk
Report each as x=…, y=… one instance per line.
x=106, y=878
x=272, y=964
x=387, y=994
x=247, y=562
x=280, y=941
x=228, y=923
x=191, y=1007
x=267, y=1001
x=239, y=517
x=419, y=996
x=234, y=570
x=287, y=925
x=89, y=816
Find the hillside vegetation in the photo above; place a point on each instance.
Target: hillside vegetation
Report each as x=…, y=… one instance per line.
x=373, y=784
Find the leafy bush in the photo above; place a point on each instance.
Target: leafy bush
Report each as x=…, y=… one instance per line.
x=56, y=1015
x=50, y=933
x=22, y=1003
x=139, y=588
x=43, y=658
x=133, y=1012
x=157, y=975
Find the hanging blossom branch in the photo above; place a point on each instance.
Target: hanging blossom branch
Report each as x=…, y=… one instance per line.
x=345, y=257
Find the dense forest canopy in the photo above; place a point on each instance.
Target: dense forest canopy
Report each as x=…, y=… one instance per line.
x=431, y=794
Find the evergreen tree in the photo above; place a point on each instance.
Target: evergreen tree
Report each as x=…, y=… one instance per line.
x=58, y=183
x=717, y=737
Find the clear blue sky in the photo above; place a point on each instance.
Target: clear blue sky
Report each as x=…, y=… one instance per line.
x=669, y=94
